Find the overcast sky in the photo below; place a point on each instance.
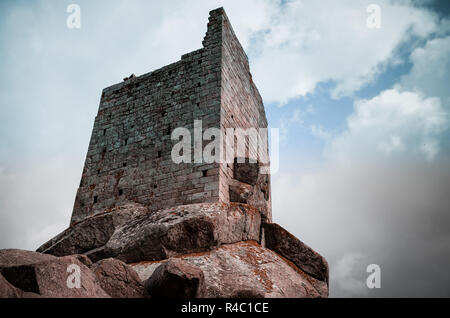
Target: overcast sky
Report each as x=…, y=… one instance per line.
x=363, y=115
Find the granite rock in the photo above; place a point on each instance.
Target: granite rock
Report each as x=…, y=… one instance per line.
x=38, y=275
x=176, y=279
x=245, y=269
x=181, y=230
x=92, y=232
x=290, y=247
x=118, y=279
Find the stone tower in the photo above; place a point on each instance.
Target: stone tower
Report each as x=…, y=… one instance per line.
x=155, y=226
x=129, y=156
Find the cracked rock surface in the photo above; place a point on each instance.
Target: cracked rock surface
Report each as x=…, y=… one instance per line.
x=245, y=269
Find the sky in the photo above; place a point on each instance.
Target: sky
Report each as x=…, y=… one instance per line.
x=363, y=115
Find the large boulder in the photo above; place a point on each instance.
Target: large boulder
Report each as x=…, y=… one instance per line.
x=15, y=257
x=176, y=279
x=118, y=279
x=181, y=230
x=245, y=269
x=33, y=274
x=92, y=232
x=12, y=261
x=287, y=245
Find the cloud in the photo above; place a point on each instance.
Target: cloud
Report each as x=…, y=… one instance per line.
x=348, y=276
x=394, y=123
x=285, y=122
x=392, y=214
x=310, y=42
x=36, y=200
x=289, y=45
x=319, y=131
x=431, y=70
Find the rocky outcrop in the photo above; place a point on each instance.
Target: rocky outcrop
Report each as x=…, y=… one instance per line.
x=176, y=279
x=25, y=274
x=199, y=250
x=181, y=230
x=31, y=274
x=14, y=257
x=118, y=279
x=243, y=269
x=290, y=247
x=92, y=232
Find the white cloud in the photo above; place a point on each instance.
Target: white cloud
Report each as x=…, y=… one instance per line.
x=348, y=274
x=285, y=122
x=430, y=73
x=309, y=42
x=319, y=131
x=391, y=123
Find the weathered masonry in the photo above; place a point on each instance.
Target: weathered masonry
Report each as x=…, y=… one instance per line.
x=129, y=156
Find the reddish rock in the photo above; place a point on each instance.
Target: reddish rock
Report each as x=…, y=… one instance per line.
x=239, y=191
x=181, y=230
x=245, y=269
x=290, y=247
x=118, y=279
x=176, y=279
x=33, y=274
x=15, y=257
x=52, y=277
x=83, y=259
x=16, y=265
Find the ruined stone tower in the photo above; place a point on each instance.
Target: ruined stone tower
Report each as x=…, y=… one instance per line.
x=129, y=156
x=155, y=227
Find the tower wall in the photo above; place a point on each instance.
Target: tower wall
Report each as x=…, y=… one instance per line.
x=241, y=107
x=129, y=155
